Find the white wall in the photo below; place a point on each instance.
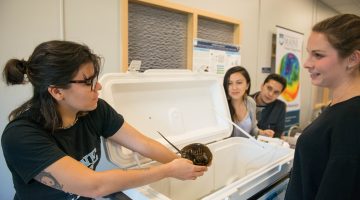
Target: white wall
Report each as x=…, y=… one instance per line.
x=296, y=15
x=24, y=24
x=95, y=23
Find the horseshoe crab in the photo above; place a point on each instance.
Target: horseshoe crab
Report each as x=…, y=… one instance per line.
x=198, y=153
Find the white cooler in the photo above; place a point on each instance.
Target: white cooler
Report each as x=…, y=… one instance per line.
x=188, y=107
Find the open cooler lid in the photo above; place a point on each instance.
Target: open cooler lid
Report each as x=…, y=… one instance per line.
x=184, y=106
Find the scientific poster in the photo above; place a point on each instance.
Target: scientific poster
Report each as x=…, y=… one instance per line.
x=288, y=57
x=214, y=57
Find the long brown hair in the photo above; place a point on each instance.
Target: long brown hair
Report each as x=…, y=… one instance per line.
x=52, y=63
x=229, y=72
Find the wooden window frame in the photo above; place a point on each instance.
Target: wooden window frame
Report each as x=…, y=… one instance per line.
x=192, y=25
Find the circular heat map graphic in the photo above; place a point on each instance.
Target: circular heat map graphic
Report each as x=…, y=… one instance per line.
x=289, y=69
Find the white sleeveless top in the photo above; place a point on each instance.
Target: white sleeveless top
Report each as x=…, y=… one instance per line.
x=245, y=124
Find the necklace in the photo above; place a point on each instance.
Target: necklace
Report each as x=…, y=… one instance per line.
x=70, y=125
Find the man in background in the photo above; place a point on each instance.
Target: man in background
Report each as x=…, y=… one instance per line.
x=270, y=111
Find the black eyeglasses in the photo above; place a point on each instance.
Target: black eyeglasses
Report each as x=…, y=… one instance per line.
x=92, y=81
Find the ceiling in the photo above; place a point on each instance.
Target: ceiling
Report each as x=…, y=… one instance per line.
x=344, y=6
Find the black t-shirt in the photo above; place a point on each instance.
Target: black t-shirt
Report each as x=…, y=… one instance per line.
x=29, y=149
x=327, y=156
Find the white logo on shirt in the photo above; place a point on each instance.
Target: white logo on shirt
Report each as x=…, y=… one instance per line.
x=90, y=159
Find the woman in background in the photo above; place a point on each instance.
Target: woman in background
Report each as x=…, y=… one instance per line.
x=52, y=143
x=242, y=107
x=327, y=155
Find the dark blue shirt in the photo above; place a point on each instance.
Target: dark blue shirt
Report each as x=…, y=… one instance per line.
x=271, y=116
x=327, y=156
